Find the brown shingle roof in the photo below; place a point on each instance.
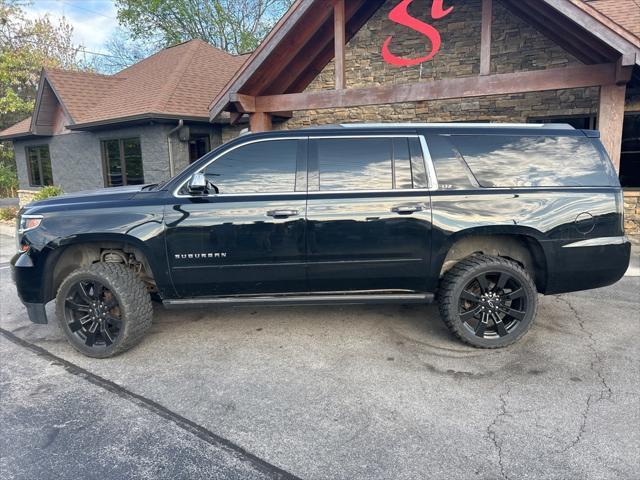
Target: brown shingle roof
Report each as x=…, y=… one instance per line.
x=625, y=13
x=179, y=81
x=20, y=129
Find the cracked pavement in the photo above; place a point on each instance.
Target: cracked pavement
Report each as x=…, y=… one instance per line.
x=339, y=392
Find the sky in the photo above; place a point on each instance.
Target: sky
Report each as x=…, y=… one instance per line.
x=93, y=21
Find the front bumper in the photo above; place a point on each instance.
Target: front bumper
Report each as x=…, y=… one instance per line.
x=28, y=280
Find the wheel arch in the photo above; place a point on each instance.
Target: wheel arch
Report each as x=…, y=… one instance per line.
x=522, y=245
x=80, y=250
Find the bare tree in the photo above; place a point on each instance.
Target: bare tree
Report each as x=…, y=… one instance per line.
x=236, y=26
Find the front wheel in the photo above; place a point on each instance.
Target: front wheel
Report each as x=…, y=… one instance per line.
x=488, y=302
x=103, y=309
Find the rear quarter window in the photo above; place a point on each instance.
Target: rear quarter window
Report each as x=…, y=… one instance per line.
x=534, y=161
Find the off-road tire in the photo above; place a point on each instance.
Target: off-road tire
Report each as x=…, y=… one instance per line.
x=458, y=277
x=133, y=299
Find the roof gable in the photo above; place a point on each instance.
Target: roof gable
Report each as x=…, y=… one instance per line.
x=301, y=44
x=79, y=92
x=625, y=13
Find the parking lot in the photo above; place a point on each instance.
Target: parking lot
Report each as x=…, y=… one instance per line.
x=339, y=392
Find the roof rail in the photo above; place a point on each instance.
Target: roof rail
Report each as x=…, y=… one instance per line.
x=557, y=126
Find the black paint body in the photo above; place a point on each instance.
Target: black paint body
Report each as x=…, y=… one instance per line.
x=351, y=241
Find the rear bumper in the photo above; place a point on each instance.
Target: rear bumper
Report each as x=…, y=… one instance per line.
x=587, y=264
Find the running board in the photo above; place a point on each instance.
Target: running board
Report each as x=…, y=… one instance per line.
x=346, y=299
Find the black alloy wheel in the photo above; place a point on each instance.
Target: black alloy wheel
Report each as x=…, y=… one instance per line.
x=488, y=301
x=492, y=304
x=103, y=309
x=92, y=313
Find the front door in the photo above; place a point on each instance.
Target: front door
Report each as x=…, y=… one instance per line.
x=368, y=214
x=250, y=237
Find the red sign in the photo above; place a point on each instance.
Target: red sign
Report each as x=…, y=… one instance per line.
x=400, y=15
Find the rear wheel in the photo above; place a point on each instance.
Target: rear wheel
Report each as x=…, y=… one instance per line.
x=488, y=302
x=103, y=309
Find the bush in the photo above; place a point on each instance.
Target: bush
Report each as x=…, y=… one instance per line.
x=47, y=192
x=8, y=214
x=8, y=181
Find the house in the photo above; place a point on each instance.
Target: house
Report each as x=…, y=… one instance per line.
x=140, y=125
x=336, y=61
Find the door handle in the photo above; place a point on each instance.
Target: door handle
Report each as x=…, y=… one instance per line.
x=282, y=213
x=406, y=209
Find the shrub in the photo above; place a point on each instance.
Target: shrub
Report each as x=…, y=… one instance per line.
x=8, y=214
x=8, y=181
x=47, y=192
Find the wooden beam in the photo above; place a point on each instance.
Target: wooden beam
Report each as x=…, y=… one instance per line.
x=363, y=11
x=279, y=59
x=485, y=38
x=339, y=41
x=243, y=103
x=282, y=115
x=611, y=119
x=598, y=25
x=502, y=84
x=564, y=32
x=623, y=74
x=316, y=47
x=259, y=122
x=235, y=118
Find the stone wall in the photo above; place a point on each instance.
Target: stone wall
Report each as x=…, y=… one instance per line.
x=632, y=214
x=26, y=196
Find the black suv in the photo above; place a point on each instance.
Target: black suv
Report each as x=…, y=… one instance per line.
x=482, y=217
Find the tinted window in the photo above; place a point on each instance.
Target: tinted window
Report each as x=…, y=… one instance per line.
x=261, y=167
x=452, y=172
x=537, y=161
x=354, y=164
x=401, y=164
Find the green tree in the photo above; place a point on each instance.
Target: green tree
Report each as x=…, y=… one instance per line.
x=26, y=46
x=236, y=26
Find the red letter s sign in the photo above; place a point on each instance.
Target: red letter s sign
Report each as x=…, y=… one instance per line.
x=400, y=15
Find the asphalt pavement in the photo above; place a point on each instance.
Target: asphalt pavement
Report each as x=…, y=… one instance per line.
x=344, y=392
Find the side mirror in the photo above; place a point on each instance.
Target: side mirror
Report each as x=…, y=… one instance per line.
x=198, y=184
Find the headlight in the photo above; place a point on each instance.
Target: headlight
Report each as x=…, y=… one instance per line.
x=29, y=222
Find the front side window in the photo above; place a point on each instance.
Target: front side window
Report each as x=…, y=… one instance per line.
x=39, y=166
x=260, y=167
x=122, y=162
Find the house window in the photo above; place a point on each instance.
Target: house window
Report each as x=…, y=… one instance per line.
x=630, y=158
x=199, y=145
x=122, y=160
x=39, y=165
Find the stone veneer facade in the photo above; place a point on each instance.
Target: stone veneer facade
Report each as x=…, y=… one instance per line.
x=632, y=214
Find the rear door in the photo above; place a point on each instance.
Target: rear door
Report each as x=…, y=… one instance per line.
x=368, y=214
x=250, y=237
